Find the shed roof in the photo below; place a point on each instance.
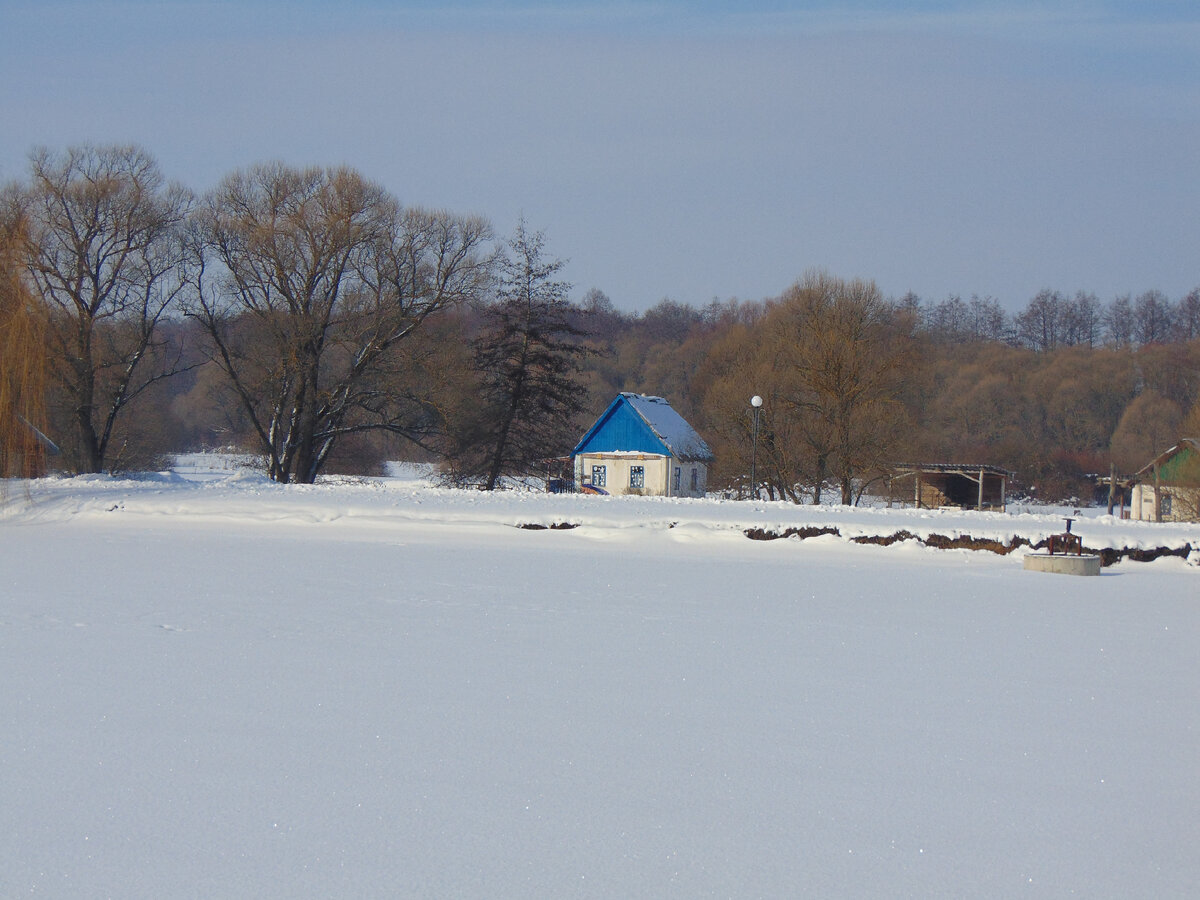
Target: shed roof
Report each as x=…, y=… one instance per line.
x=637, y=422
x=969, y=469
x=1173, y=465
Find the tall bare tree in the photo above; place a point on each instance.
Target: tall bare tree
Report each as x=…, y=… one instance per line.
x=1187, y=321
x=848, y=351
x=310, y=285
x=1083, y=320
x=1119, y=323
x=1043, y=324
x=1149, y=425
x=104, y=253
x=830, y=359
x=1153, y=318
x=740, y=365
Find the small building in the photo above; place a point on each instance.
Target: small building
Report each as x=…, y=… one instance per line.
x=952, y=484
x=1167, y=489
x=641, y=445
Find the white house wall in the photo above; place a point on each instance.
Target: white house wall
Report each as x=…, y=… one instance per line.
x=1138, y=500
x=1179, y=504
x=659, y=474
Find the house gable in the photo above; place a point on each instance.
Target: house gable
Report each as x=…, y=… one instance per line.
x=621, y=430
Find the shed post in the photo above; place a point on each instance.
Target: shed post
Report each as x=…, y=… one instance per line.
x=917, y=499
x=981, y=488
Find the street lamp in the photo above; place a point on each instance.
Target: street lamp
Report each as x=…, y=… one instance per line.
x=756, y=403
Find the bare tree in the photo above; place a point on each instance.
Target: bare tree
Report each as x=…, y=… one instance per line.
x=1149, y=425
x=843, y=354
x=988, y=319
x=1041, y=325
x=1187, y=320
x=312, y=284
x=1082, y=320
x=789, y=459
x=1118, y=323
x=1191, y=422
x=1153, y=318
x=104, y=253
x=949, y=321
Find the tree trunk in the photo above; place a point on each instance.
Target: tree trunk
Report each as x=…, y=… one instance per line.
x=91, y=459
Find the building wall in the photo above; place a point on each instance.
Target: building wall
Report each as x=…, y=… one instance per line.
x=1179, y=504
x=658, y=474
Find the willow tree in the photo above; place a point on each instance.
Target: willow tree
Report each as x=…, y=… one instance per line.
x=22, y=356
x=310, y=284
x=104, y=255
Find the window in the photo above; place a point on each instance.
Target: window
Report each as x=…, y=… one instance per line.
x=637, y=476
x=599, y=476
x=675, y=480
x=695, y=479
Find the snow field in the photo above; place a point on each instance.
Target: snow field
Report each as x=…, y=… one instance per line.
x=370, y=690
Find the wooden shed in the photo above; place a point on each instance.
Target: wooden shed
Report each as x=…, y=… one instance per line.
x=931, y=485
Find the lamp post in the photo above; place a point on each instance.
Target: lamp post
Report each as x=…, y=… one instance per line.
x=756, y=404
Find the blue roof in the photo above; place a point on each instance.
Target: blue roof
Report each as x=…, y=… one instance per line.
x=635, y=423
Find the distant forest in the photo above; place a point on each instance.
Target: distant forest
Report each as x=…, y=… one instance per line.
x=305, y=316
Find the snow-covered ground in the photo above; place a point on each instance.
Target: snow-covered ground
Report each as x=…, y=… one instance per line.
x=214, y=686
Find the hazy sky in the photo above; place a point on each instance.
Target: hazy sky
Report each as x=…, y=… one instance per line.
x=670, y=149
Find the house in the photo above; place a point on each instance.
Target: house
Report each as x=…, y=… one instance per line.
x=967, y=486
x=1167, y=489
x=641, y=445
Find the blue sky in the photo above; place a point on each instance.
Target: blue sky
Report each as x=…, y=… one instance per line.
x=683, y=150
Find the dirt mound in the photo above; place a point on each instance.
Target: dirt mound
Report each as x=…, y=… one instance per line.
x=1108, y=555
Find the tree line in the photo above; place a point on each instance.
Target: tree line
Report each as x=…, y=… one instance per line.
x=287, y=311
x=853, y=383
x=306, y=315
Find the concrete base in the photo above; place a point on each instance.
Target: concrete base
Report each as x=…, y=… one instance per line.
x=1063, y=563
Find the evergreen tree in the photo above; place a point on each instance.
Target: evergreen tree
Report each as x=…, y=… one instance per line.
x=528, y=356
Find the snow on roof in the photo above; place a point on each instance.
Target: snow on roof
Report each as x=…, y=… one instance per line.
x=670, y=427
